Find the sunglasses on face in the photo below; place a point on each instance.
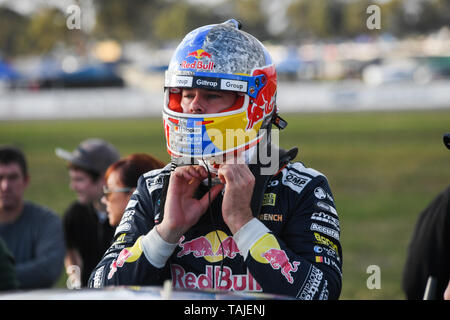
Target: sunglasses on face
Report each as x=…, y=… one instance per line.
x=107, y=191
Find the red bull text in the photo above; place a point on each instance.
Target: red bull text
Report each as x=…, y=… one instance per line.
x=210, y=279
x=198, y=65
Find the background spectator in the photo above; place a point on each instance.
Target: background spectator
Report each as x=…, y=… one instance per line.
x=429, y=249
x=87, y=231
x=8, y=277
x=121, y=180
x=33, y=234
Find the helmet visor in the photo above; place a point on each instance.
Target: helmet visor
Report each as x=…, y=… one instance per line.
x=208, y=135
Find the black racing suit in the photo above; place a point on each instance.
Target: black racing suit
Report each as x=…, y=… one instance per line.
x=291, y=247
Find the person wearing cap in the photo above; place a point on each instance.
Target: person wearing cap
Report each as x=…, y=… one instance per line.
x=226, y=214
x=87, y=231
x=32, y=234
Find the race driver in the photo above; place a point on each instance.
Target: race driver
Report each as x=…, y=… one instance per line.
x=214, y=218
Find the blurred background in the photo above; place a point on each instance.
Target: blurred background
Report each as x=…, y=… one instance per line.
x=366, y=91
x=323, y=50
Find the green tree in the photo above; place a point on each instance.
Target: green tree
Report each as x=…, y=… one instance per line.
x=426, y=16
x=253, y=19
x=12, y=31
x=316, y=19
x=178, y=18
x=46, y=28
x=125, y=20
x=355, y=17
x=172, y=22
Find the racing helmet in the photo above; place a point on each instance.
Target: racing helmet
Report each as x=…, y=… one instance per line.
x=219, y=57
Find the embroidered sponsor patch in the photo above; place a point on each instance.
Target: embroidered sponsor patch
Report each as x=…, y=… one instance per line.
x=294, y=180
x=327, y=231
x=269, y=199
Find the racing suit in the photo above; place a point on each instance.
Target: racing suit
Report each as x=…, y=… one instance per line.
x=291, y=247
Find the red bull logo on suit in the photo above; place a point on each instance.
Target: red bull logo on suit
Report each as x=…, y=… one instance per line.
x=279, y=260
x=267, y=250
x=130, y=254
x=209, y=247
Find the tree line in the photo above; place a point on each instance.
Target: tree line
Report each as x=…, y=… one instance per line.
x=158, y=22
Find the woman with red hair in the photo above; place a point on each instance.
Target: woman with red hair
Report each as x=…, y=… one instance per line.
x=121, y=180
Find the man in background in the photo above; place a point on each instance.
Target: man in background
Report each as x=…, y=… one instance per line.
x=33, y=234
x=428, y=254
x=87, y=231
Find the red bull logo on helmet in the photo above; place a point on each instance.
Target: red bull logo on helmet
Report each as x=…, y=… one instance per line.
x=257, y=110
x=198, y=54
x=199, y=63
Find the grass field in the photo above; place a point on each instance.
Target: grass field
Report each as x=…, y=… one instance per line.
x=383, y=168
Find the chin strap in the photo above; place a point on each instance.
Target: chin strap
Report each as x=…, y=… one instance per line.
x=262, y=180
